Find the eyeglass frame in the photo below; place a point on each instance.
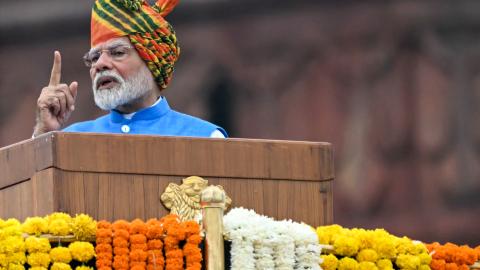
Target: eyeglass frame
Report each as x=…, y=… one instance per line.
x=88, y=59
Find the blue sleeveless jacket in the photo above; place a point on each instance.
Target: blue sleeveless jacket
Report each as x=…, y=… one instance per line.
x=159, y=119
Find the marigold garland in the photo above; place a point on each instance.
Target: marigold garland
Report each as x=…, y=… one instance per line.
x=138, y=245
x=104, y=248
x=175, y=232
x=155, y=259
x=193, y=254
x=372, y=249
x=451, y=256
x=121, y=237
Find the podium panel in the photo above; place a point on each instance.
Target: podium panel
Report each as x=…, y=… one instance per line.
x=122, y=176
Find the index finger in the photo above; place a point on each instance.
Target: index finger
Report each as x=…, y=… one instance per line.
x=56, y=69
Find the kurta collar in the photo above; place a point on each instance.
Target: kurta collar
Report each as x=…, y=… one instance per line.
x=153, y=112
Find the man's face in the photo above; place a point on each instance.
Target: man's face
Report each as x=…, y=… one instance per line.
x=118, y=74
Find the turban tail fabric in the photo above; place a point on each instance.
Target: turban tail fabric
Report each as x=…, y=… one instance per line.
x=151, y=35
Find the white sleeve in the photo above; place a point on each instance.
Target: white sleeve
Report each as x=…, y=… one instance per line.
x=217, y=134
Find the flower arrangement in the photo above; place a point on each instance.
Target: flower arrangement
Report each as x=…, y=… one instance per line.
x=175, y=232
x=121, y=245
x=370, y=249
x=138, y=245
x=121, y=237
x=103, y=248
x=452, y=257
x=191, y=250
x=155, y=234
x=259, y=242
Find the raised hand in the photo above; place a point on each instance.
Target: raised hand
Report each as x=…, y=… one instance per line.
x=56, y=102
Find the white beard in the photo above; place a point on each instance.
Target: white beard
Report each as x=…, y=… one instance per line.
x=133, y=88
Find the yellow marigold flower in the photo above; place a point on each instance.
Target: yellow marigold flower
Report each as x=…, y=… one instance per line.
x=424, y=267
x=419, y=248
x=17, y=258
x=367, y=266
x=35, y=226
x=38, y=259
x=84, y=227
x=83, y=267
x=57, y=216
x=61, y=255
x=406, y=246
x=38, y=268
x=407, y=261
x=59, y=227
x=13, y=244
x=330, y=262
x=327, y=234
x=425, y=258
x=346, y=246
x=11, y=222
x=385, y=264
x=82, y=251
x=14, y=266
x=59, y=223
x=385, y=248
x=367, y=255
x=60, y=266
x=37, y=244
x=3, y=260
x=347, y=264
x=12, y=231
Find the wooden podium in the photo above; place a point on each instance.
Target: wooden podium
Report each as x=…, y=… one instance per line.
x=122, y=176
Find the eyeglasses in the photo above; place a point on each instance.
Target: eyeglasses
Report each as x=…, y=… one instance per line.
x=117, y=53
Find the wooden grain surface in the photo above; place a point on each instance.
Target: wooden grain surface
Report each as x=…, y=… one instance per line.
x=122, y=177
x=240, y=158
x=129, y=196
x=20, y=161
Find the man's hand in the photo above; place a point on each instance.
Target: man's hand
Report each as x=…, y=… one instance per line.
x=56, y=102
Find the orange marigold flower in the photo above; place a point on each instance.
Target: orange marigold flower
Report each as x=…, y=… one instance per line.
x=194, y=239
x=121, y=234
x=437, y=264
x=120, y=242
x=121, y=225
x=143, y=247
x=121, y=251
x=105, y=256
x=138, y=264
x=155, y=229
x=191, y=227
x=155, y=244
x=138, y=227
x=104, y=240
x=103, y=224
x=463, y=267
x=102, y=248
x=103, y=233
x=103, y=263
x=104, y=268
x=138, y=255
x=451, y=266
x=138, y=239
x=155, y=256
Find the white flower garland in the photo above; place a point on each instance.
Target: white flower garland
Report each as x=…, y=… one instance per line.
x=259, y=242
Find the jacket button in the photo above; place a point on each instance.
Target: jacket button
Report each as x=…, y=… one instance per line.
x=125, y=129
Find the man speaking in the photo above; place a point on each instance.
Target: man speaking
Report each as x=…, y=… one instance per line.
x=131, y=60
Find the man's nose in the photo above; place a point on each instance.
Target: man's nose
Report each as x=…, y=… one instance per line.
x=104, y=62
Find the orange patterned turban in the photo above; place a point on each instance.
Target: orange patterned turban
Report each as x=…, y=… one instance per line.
x=145, y=26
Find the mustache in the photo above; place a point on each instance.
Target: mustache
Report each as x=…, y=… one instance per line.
x=106, y=73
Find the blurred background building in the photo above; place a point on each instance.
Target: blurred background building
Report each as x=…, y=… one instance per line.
x=394, y=85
